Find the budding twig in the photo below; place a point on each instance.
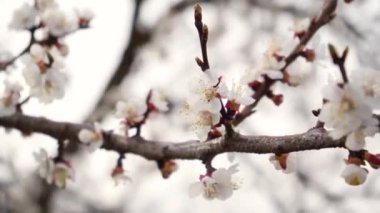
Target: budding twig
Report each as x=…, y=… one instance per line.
x=203, y=37
x=325, y=16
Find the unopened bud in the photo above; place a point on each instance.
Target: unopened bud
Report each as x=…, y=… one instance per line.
x=255, y=85
x=309, y=55
x=373, y=159
x=167, y=167
x=198, y=13
x=277, y=99
x=205, y=32
x=333, y=53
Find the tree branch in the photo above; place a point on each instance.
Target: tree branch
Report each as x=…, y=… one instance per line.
x=158, y=150
x=138, y=37
x=325, y=16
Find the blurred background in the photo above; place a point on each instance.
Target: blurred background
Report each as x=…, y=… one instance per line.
x=135, y=45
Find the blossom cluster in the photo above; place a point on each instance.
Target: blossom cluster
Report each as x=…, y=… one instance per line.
x=348, y=111
x=135, y=112
x=44, y=72
x=48, y=15
x=43, y=58
x=212, y=104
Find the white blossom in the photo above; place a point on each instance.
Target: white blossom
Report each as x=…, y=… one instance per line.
x=298, y=72
x=59, y=50
x=218, y=185
x=271, y=66
x=47, y=82
x=45, y=165
x=345, y=111
x=61, y=173
x=240, y=94
x=37, y=52
x=24, y=17
x=205, y=92
x=10, y=98
x=132, y=111
x=37, y=56
x=369, y=81
x=158, y=99
x=53, y=172
x=46, y=86
x=58, y=22
x=356, y=140
x=202, y=123
x=354, y=175
x=93, y=139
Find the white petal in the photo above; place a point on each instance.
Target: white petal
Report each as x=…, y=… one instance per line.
x=202, y=132
x=355, y=141
x=195, y=189
x=224, y=191
x=85, y=136
x=231, y=156
x=274, y=74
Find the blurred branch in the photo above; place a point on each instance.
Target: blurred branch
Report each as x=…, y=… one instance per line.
x=270, y=5
x=156, y=150
x=139, y=37
x=309, y=183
